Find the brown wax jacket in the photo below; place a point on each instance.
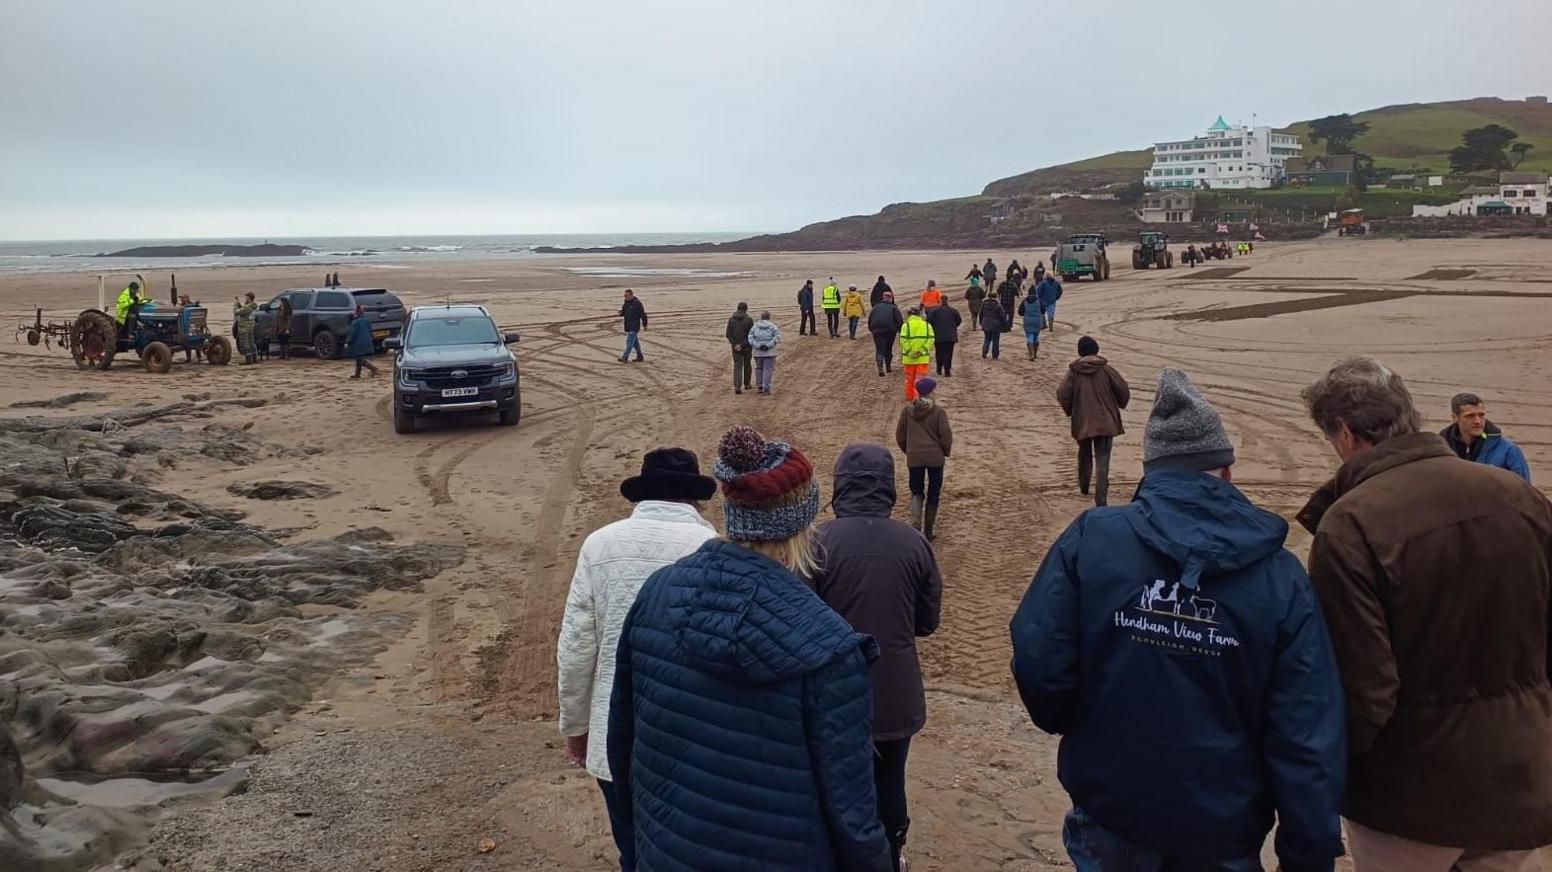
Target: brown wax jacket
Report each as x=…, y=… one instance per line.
x=1093, y=394
x=1434, y=576
x=924, y=434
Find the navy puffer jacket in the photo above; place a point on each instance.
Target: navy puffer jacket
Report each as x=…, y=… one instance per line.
x=739, y=730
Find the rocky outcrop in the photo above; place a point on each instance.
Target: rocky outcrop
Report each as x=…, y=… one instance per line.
x=147, y=636
x=281, y=490
x=265, y=250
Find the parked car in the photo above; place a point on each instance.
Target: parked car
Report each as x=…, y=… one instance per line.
x=319, y=317
x=453, y=360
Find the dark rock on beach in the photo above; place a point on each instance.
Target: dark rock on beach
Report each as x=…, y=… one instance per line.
x=148, y=638
x=265, y=250
x=281, y=490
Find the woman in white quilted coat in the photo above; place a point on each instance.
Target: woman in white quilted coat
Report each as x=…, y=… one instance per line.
x=613, y=564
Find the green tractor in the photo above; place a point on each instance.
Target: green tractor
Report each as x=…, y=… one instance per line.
x=1152, y=249
x=1083, y=254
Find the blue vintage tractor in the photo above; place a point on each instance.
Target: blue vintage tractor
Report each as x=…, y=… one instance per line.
x=153, y=332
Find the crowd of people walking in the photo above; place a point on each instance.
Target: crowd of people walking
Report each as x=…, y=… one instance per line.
x=747, y=700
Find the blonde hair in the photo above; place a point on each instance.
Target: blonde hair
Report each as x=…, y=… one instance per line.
x=799, y=553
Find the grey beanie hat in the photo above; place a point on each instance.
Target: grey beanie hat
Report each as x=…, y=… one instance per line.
x=1184, y=430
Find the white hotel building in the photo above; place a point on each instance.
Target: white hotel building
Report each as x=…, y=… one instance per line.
x=1226, y=157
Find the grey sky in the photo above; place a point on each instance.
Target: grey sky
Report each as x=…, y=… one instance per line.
x=134, y=118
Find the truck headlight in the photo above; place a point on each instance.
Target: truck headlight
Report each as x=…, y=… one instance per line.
x=508, y=372
x=408, y=378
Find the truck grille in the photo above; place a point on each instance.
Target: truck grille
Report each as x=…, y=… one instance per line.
x=442, y=377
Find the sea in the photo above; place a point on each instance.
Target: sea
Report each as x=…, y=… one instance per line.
x=86, y=255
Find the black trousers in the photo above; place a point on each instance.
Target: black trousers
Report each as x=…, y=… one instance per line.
x=927, y=481
x=884, y=349
x=624, y=839
x=945, y=357
x=833, y=321
x=743, y=369
x=1094, y=458
x=807, y=324
x=284, y=341
x=889, y=782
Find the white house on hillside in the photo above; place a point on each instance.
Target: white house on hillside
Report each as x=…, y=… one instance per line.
x=1515, y=194
x=1226, y=157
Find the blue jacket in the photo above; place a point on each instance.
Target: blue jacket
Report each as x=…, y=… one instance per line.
x=739, y=733
x=1049, y=290
x=358, y=337
x=806, y=298
x=1496, y=449
x=1034, y=315
x=1180, y=652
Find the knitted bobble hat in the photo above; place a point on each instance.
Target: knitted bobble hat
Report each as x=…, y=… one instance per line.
x=768, y=488
x=1184, y=430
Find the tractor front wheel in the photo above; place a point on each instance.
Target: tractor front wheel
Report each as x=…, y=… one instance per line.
x=219, y=351
x=157, y=357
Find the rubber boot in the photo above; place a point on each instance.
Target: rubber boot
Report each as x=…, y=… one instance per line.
x=916, y=512
x=1029, y=350
x=932, y=520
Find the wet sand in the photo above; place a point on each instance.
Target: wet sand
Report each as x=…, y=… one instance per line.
x=447, y=738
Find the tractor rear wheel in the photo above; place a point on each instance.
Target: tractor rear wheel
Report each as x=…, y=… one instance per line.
x=157, y=357
x=219, y=351
x=93, y=339
x=1137, y=260
x=1169, y=260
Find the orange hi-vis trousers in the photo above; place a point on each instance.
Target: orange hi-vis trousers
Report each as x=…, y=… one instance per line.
x=913, y=371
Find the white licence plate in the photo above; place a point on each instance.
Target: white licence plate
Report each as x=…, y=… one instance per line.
x=460, y=392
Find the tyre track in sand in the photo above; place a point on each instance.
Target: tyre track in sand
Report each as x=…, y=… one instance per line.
x=995, y=523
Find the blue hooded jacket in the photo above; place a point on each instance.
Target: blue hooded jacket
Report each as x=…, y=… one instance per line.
x=1049, y=290
x=1497, y=449
x=1033, y=312
x=739, y=734
x=358, y=337
x=1180, y=652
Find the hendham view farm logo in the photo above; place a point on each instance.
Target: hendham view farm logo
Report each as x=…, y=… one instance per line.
x=1178, y=617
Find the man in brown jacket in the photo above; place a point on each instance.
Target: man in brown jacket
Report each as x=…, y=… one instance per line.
x=1433, y=575
x=1093, y=395
x=925, y=436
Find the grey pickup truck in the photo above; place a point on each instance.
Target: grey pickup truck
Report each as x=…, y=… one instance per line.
x=319, y=317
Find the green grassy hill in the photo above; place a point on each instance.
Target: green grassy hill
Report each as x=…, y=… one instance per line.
x=1421, y=135
x=1015, y=211
x=1407, y=137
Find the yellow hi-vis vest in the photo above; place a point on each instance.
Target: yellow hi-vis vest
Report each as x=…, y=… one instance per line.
x=916, y=340
x=830, y=298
